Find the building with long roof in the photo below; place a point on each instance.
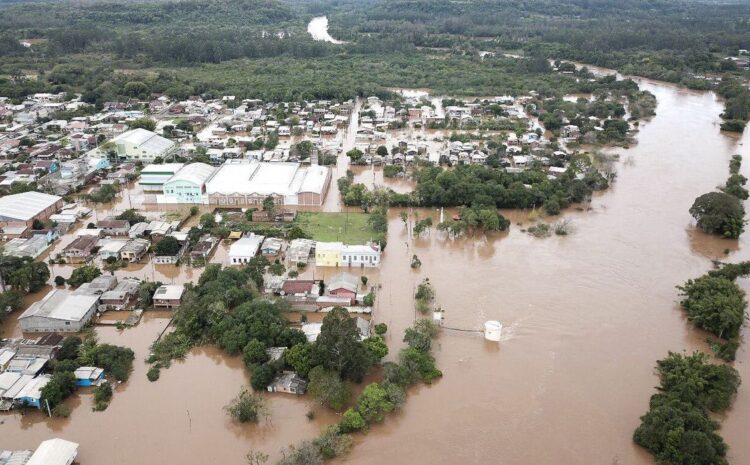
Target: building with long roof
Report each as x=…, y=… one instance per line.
x=137, y=144
x=250, y=182
x=59, y=311
x=188, y=185
x=18, y=211
x=154, y=176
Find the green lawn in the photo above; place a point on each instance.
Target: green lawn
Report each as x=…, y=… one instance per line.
x=349, y=228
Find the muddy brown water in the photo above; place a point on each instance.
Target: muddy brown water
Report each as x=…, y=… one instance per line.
x=586, y=316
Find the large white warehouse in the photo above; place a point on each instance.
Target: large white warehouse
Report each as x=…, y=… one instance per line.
x=249, y=182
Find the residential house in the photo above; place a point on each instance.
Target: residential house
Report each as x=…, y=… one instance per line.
x=80, y=250
x=203, y=249
x=120, y=296
x=112, y=227
x=272, y=246
x=243, y=250
x=289, y=383
x=299, y=250
x=134, y=250
x=343, y=285
x=88, y=376
x=168, y=296
x=338, y=254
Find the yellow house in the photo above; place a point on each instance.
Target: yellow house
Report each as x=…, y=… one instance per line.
x=328, y=253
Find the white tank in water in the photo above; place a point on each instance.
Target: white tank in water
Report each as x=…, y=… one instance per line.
x=493, y=330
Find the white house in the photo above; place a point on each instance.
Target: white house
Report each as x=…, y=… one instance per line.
x=245, y=249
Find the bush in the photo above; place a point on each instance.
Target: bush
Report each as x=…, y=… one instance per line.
x=153, y=374
x=59, y=281
x=381, y=329
x=102, y=396
x=333, y=443
x=83, y=274
x=351, y=421
x=247, y=407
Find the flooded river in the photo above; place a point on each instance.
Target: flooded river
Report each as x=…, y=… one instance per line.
x=586, y=318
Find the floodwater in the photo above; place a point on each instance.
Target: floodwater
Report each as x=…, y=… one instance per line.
x=586, y=317
x=318, y=29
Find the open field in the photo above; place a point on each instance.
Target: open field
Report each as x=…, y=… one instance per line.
x=349, y=228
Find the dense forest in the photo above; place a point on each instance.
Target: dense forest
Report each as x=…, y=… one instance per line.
x=260, y=48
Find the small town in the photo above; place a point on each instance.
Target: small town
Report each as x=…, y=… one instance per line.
x=258, y=232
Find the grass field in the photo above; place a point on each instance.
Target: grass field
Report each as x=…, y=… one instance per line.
x=349, y=228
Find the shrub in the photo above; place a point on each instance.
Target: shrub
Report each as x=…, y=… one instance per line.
x=247, y=407
x=153, y=373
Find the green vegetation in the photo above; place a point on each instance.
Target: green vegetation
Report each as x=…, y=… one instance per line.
x=74, y=353
x=104, y=194
x=349, y=228
x=424, y=297
x=248, y=407
x=102, y=396
x=23, y=275
x=722, y=212
x=715, y=303
x=83, y=274
x=168, y=246
x=678, y=428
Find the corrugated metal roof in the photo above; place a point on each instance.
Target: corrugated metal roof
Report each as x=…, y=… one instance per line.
x=24, y=206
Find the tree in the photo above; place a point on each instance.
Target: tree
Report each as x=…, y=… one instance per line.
x=59, y=281
x=115, y=360
x=269, y=204
x=420, y=335
x=719, y=213
x=146, y=291
x=304, y=454
x=377, y=347
x=132, y=216
x=143, y=123
x=351, y=421
x=23, y=274
x=168, y=246
x=368, y=300
x=373, y=404
x=355, y=155
x=70, y=348
x=102, y=396
x=254, y=353
x=9, y=301
x=381, y=329
x=300, y=357
x=84, y=274
x=207, y=221
x=339, y=348
x=247, y=407
x=328, y=389
x=333, y=442
x=715, y=304
x=61, y=385
x=263, y=375
x=382, y=150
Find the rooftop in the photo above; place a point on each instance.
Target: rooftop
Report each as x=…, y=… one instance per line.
x=169, y=292
x=60, y=304
x=24, y=206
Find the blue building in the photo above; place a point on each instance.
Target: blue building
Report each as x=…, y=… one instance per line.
x=88, y=376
